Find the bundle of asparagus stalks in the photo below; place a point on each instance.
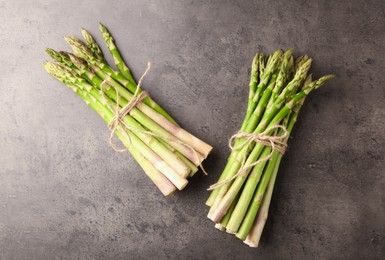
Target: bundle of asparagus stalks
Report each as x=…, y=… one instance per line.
x=240, y=199
x=167, y=153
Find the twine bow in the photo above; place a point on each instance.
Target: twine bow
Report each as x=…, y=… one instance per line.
x=277, y=143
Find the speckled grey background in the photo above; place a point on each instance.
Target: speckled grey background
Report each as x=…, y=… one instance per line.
x=65, y=194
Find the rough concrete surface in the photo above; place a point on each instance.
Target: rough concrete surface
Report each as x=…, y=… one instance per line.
x=65, y=194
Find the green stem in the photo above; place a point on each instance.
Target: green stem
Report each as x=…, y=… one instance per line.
x=93, y=45
x=256, y=199
x=120, y=64
x=214, y=193
x=265, y=78
x=258, y=196
x=226, y=218
x=247, y=193
x=255, y=233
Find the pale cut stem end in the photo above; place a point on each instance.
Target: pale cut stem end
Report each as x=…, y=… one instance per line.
x=179, y=181
x=250, y=243
x=201, y=147
x=209, y=202
x=220, y=227
x=164, y=185
x=230, y=232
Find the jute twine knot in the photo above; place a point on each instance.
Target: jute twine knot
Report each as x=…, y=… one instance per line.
x=120, y=113
x=276, y=142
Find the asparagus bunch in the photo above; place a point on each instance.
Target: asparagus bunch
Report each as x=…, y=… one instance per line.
x=239, y=201
x=167, y=153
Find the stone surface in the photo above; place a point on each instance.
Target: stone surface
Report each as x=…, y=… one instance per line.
x=65, y=194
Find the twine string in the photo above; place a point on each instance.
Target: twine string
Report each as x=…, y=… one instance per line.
x=276, y=142
x=120, y=113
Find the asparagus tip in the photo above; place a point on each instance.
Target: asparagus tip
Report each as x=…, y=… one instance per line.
x=288, y=53
x=78, y=62
x=303, y=69
x=50, y=67
x=323, y=79
x=307, y=81
x=52, y=53
x=69, y=40
x=102, y=27
x=79, y=48
x=85, y=33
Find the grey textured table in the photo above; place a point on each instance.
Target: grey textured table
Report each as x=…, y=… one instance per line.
x=65, y=194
